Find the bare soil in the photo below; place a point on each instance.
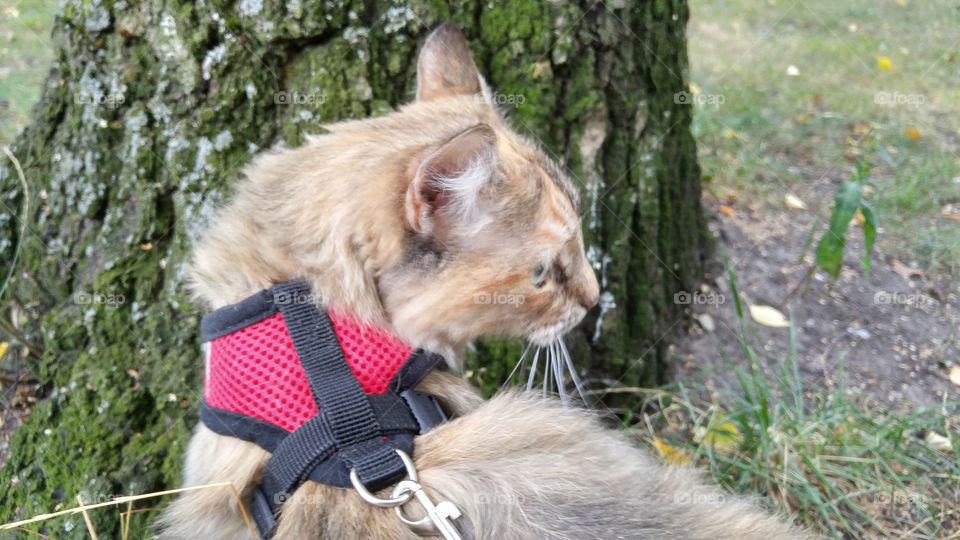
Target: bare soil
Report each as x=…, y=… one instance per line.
x=890, y=335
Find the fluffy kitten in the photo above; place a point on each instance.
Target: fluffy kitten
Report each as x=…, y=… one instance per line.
x=407, y=221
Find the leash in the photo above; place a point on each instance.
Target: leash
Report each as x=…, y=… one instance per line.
x=337, y=430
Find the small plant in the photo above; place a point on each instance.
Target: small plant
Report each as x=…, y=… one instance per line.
x=848, y=204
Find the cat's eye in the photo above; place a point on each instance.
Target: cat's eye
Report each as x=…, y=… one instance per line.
x=540, y=273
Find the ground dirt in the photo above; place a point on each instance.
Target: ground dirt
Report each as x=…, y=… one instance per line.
x=890, y=335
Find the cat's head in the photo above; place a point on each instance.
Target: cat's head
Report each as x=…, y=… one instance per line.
x=494, y=245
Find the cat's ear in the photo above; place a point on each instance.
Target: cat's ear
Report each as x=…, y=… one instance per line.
x=444, y=197
x=445, y=67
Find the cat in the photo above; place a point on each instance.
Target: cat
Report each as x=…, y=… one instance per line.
x=406, y=220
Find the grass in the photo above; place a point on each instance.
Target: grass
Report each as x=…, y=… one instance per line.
x=25, y=56
x=832, y=462
x=801, y=131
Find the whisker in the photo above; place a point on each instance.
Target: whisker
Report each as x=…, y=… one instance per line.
x=519, y=363
x=558, y=372
x=533, y=368
x=573, y=372
x=546, y=371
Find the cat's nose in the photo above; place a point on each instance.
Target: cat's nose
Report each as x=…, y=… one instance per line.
x=588, y=290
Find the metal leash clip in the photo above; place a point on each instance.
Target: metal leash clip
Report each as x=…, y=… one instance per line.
x=439, y=518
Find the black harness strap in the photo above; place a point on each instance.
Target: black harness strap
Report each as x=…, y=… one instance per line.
x=361, y=432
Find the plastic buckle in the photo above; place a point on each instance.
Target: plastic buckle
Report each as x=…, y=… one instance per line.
x=425, y=409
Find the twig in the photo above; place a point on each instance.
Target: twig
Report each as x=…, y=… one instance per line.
x=32, y=349
x=114, y=502
x=125, y=524
x=254, y=534
x=24, y=212
x=804, y=282
x=86, y=518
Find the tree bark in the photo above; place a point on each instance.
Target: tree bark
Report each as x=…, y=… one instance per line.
x=152, y=108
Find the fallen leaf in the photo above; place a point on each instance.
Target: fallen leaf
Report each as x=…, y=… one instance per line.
x=3, y=348
x=793, y=202
x=541, y=69
x=706, y=321
x=905, y=271
x=727, y=211
x=769, y=316
x=951, y=211
x=912, y=133
x=884, y=63
x=938, y=442
x=729, y=134
x=146, y=246
x=955, y=375
x=858, y=219
x=723, y=437
x=670, y=454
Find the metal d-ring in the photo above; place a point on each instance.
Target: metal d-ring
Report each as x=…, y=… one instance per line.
x=396, y=499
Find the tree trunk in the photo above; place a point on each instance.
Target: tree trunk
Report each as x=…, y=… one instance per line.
x=152, y=108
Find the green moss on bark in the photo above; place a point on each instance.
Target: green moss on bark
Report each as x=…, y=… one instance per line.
x=153, y=107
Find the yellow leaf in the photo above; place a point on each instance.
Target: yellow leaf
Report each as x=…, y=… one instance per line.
x=884, y=63
x=723, y=437
x=858, y=219
x=912, y=133
x=3, y=348
x=793, y=202
x=729, y=134
x=670, y=454
x=769, y=316
x=955, y=375
x=541, y=69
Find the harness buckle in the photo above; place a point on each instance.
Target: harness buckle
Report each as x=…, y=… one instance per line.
x=425, y=409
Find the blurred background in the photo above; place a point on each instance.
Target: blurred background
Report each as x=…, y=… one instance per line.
x=846, y=418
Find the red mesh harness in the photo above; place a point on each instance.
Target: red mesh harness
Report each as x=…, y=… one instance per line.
x=327, y=396
x=255, y=371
